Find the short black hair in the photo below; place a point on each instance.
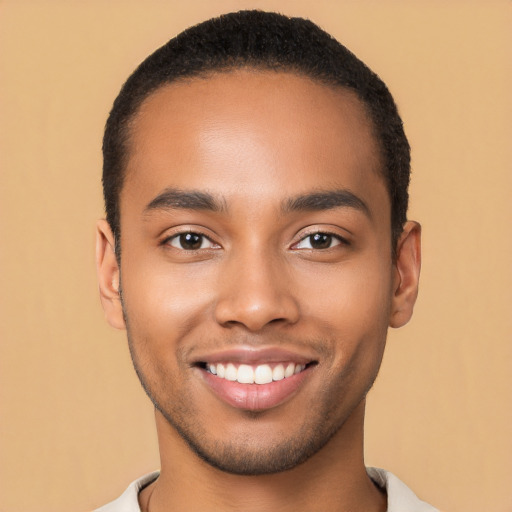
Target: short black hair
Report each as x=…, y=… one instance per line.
x=266, y=41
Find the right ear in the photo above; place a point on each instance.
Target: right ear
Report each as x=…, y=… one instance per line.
x=108, y=275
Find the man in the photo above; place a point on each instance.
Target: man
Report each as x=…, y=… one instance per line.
x=256, y=249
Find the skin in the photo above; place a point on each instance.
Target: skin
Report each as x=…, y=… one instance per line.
x=255, y=141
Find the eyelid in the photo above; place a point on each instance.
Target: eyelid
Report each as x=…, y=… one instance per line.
x=178, y=231
x=317, y=230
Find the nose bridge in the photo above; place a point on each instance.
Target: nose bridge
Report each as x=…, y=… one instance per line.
x=254, y=290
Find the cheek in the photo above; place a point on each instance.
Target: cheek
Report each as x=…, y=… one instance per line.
x=352, y=314
x=163, y=303
x=353, y=296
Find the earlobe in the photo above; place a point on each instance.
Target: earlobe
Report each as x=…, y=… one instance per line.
x=108, y=275
x=407, y=273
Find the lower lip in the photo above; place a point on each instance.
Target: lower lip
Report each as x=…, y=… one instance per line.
x=255, y=397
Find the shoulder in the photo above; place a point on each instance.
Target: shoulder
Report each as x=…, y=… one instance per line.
x=129, y=500
x=400, y=497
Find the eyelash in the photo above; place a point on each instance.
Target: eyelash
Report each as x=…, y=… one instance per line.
x=334, y=236
x=178, y=237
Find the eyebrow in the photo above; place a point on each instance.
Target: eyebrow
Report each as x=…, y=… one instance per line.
x=328, y=200
x=172, y=198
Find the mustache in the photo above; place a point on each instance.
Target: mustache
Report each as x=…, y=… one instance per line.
x=315, y=345
x=191, y=341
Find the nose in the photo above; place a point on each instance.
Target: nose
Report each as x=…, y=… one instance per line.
x=255, y=291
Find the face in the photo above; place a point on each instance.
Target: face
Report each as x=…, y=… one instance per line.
x=256, y=274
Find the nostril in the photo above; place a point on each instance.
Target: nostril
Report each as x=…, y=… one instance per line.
x=277, y=320
x=256, y=307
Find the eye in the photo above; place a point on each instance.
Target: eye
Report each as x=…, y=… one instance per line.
x=319, y=241
x=190, y=242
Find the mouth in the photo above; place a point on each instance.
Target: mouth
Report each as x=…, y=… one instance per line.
x=254, y=374
x=255, y=380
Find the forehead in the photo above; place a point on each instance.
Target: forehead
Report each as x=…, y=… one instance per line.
x=251, y=130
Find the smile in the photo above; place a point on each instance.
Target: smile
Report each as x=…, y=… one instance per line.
x=251, y=382
x=254, y=374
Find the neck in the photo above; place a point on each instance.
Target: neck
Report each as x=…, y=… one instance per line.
x=334, y=479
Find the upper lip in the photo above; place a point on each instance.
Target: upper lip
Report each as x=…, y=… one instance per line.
x=252, y=355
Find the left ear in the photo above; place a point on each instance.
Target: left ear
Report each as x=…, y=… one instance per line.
x=406, y=274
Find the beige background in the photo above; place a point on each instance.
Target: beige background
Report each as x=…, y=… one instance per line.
x=75, y=427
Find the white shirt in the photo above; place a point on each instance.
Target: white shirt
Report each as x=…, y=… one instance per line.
x=400, y=497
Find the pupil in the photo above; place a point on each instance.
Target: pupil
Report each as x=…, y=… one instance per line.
x=321, y=241
x=191, y=241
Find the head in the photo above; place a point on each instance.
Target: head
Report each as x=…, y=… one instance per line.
x=256, y=182
x=264, y=41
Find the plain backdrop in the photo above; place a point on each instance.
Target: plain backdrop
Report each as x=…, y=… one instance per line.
x=75, y=427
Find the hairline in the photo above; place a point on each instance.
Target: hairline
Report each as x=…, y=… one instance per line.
x=231, y=68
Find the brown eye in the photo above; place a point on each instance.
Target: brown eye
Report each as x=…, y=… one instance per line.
x=318, y=241
x=191, y=242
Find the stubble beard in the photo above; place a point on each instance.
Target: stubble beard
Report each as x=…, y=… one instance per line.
x=237, y=458
x=242, y=457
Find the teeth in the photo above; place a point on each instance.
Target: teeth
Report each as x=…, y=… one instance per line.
x=278, y=373
x=245, y=374
x=261, y=374
x=231, y=372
